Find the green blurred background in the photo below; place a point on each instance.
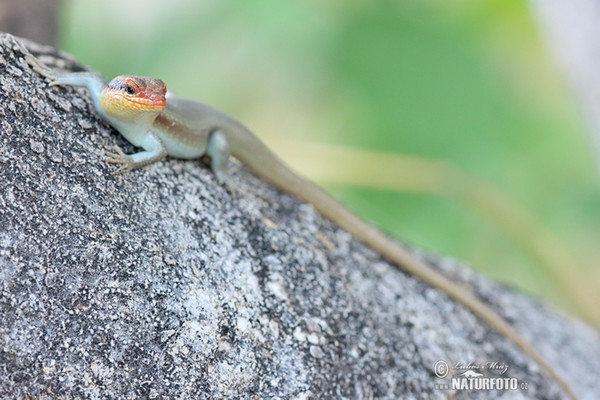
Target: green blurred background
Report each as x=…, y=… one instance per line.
x=470, y=84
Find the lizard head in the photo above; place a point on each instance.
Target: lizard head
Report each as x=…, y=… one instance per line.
x=130, y=97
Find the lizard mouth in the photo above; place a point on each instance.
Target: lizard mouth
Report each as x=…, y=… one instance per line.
x=130, y=108
x=116, y=103
x=143, y=100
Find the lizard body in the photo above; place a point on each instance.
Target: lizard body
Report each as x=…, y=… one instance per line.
x=162, y=124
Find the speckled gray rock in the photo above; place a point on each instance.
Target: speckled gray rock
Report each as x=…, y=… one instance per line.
x=161, y=284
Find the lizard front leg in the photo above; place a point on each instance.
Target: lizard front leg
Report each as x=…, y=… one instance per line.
x=154, y=151
x=93, y=82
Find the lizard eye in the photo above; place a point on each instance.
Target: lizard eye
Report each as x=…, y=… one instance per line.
x=130, y=89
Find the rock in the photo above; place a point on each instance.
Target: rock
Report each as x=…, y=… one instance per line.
x=162, y=284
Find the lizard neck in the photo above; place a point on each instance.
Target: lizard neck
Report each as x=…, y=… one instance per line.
x=133, y=130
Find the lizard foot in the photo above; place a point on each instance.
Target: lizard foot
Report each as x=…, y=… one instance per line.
x=229, y=185
x=41, y=69
x=118, y=157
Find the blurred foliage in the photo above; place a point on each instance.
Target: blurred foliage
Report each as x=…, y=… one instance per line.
x=468, y=82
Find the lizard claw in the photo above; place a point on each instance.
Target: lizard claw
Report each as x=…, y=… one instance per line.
x=41, y=69
x=124, y=161
x=45, y=71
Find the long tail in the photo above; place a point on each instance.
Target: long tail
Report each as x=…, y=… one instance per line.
x=252, y=152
